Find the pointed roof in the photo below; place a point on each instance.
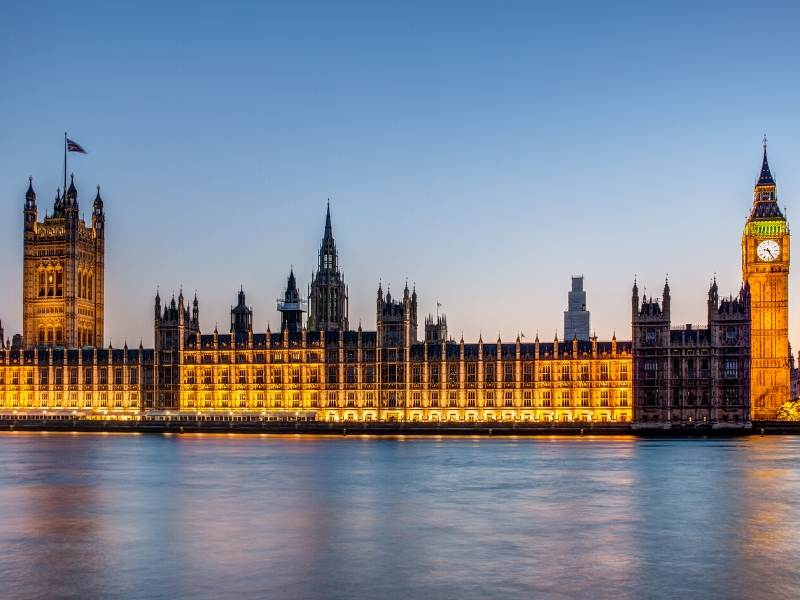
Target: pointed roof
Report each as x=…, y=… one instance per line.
x=765, y=177
x=765, y=205
x=72, y=192
x=30, y=195
x=328, y=228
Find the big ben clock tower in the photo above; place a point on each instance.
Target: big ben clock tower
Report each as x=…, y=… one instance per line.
x=765, y=268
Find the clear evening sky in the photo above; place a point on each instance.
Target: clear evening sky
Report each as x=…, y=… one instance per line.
x=486, y=151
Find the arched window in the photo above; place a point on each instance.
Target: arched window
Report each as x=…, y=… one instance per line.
x=59, y=282
x=90, y=287
x=50, y=283
x=42, y=282
x=41, y=335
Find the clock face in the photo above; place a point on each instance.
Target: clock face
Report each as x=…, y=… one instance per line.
x=768, y=250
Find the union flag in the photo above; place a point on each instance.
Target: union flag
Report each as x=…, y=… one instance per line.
x=74, y=147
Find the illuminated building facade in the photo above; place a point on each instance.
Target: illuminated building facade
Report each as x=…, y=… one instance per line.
x=327, y=374
x=63, y=273
x=81, y=381
x=326, y=371
x=765, y=267
x=333, y=375
x=386, y=374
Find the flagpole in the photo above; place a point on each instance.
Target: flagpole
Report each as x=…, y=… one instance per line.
x=64, y=190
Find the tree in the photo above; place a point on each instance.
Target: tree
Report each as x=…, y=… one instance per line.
x=789, y=411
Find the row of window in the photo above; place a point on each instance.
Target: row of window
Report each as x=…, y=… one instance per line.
x=395, y=374
x=70, y=400
x=50, y=335
x=394, y=400
x=729, y=396
x=71, y=373
x=729, y=369
x=257, y=358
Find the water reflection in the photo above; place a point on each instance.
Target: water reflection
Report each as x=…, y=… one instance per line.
x=298, y=517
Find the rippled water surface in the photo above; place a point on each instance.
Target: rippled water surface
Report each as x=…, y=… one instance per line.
x=137, y=516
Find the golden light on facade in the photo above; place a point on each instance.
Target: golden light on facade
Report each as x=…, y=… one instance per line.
x=765, y=268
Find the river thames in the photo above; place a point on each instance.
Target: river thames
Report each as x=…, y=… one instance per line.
x=210, y=516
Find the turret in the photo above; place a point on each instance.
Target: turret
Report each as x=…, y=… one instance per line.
x=58, y=204
x=396, y=320
x=290, y=307
x=241, y=315
x=181, y=307
x=173, y=326
x=665, y=303
x=158, y=307
x=435, y=329
x=635, y=300
x=98, y=217
x=713, y=298
x=30, y=207
x=71, y=197
x=195, y=311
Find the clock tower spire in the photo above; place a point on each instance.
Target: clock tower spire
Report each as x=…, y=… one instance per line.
x=765, y=268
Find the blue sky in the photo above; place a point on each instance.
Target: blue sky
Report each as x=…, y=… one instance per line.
x=486, y=151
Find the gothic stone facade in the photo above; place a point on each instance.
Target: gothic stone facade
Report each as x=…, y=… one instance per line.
x=388, y=374
x=322, y=372
x=327, y=371
x=330, y=375
x=63, y=273
x=692, y=375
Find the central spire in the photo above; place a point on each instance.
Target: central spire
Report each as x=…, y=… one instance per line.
x=328, y=228
x=327, y=294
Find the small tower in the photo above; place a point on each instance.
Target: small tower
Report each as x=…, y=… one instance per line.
x=397, y=320
x=174, y=325
x=30, y=208
x=650, y=348
x=713, y=299
x=241, y=315
x=291, y=307
x=196, y=312
x=436, y=330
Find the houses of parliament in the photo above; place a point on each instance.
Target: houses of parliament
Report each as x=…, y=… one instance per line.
x=733, y=370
